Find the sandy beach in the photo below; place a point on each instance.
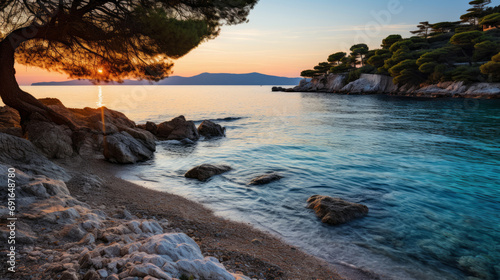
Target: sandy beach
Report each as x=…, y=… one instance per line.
x=239, y=247
x=68, y=230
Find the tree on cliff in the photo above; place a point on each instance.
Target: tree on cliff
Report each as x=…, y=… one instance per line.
x=359, y=50
x=308, y=73
x=466, y=40
x=491, y=20
x=423, y=29
x=477, y=11
x=322, y=67
x=103, y=40
x=492, y=68
x=390, y=40
x=443, y=27
x=336, y=58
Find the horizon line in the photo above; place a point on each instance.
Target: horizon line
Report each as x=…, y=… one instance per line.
x=153, y=82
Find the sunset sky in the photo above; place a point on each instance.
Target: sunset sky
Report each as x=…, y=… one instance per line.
x=284, y=37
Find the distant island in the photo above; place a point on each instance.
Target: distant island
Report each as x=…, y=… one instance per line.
x=214, y=79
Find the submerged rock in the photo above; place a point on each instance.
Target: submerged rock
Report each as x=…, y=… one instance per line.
x=123, y=148
x=335, y=211
x=178, y=129
x=205, y=171
x=265, y=179
x=210, y=129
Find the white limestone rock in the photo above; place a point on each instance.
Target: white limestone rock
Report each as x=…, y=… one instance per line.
x=370, y=84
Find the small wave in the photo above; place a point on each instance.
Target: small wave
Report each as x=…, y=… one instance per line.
x=226, y=119
x=183, y=142
x=147, y=179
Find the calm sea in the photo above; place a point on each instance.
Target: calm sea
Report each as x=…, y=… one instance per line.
x=428, y=169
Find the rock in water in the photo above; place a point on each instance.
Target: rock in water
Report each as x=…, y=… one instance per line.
x=205, y=171
x=151, y=127
x=265, y=179
x=335, y=211
x=210, y=129
x=178, y=129
x=278, y=89
x=123, y=148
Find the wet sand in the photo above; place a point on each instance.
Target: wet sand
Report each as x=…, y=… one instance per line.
x=239, y=247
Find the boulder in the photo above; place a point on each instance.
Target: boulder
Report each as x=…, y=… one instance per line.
x=371, y=84
x=335, y=211
x=205, y=171
x=54, y=141
x=56, y=105
x=151, y=127
x=67, y=275
x=87, y=143
x=20, y=153
x=210, y=129
x=322, y=83
x=144, y=136
x=304, y=85
x=10, y=121
x=123, y=148
x=265, y=179
x=178, y=129
x=111, y=118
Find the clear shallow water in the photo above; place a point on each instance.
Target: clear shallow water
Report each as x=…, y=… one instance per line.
x=429, y=170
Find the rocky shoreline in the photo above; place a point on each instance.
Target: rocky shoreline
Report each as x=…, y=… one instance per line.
x=379, y=84
x=76, y=220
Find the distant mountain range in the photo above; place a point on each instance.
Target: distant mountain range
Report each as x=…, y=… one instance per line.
x=201, y=79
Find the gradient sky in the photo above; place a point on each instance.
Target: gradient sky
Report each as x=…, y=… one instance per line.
x=284, y=37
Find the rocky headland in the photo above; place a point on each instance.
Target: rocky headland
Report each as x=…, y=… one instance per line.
x=76, y=220
x=380, y=84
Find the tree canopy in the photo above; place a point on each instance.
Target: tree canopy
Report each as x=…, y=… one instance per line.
x=476, y=12
x=359, y=50
x=125, y=38
x=423, y=29
x=103, y=40
x=390, y=40
x=336, y=57
x=492, y=68
x=440, y=52
x=491, y=20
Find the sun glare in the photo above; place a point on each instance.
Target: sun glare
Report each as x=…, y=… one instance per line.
x=100, y=71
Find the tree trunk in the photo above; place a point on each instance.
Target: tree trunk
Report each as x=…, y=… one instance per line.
x=468, y=56
x=13, y=96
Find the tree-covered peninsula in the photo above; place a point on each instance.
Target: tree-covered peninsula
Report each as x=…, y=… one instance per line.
x=467, y=50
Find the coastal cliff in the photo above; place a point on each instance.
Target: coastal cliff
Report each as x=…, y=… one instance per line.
x=380, y=84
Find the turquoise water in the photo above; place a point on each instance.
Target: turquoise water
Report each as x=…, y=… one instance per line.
x=428, y=169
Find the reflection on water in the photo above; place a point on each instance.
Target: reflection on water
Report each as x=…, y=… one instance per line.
x=99, y=98
x=427, y=169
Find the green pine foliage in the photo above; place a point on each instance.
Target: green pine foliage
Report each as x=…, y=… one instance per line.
x=442, y=51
